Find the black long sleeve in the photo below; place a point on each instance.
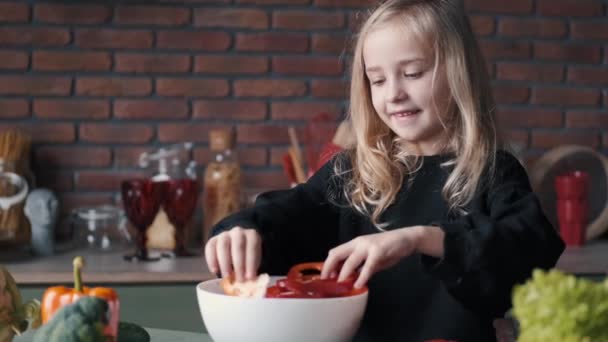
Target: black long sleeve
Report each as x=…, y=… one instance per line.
x=498, y=243
x=296, y=225
x=502, y=237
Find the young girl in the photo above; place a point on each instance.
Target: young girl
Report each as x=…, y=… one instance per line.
x=438, y=220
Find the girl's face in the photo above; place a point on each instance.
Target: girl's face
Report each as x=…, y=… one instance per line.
x=400, y=75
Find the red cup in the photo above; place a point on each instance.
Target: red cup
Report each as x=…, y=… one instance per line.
x=573, y=234
x=572, y=211
x=572, y=185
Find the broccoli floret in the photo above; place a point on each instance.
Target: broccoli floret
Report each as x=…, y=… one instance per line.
x=82, y=321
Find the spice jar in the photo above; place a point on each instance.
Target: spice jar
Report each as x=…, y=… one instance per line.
x=222, y=180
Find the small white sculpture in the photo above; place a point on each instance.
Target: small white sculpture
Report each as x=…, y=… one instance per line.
x=42, y=209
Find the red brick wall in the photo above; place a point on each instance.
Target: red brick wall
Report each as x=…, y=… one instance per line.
x=96, y=83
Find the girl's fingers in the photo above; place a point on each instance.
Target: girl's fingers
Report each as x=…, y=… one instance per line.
x=253, y=253
x=354, y=260
x=211, y=256
x=367, y=270
x=237, y=249
x=224, y=255
x=334, y=258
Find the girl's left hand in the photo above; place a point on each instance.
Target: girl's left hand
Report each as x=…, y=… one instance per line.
x=374, y=252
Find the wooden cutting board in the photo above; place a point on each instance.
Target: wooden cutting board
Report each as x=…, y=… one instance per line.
x=569, y=158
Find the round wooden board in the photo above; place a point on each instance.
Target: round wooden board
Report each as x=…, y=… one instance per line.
x=568, y=158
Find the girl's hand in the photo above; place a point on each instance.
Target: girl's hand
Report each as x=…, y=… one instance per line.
x=374, y=252
x=238, y=250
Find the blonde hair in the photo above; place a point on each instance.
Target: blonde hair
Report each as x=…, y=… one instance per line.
x=379, y=163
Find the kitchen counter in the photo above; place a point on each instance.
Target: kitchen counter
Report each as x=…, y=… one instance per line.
x=155, y=335
x=110, y=268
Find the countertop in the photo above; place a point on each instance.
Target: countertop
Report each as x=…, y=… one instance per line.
x=100, y=267
x=155, y=335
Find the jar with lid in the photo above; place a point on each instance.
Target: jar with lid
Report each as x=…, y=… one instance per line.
x=14, y=227
x=222, y=180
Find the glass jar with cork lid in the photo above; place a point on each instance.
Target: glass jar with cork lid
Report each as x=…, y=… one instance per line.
x=222, y=180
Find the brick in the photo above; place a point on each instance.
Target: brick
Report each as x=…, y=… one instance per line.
x=265, y=180
x=113, y=86
x=14, y=60
x=45, y=132
x=229, y=110
x=247, y=156
x=483, y=25
x=589, y=30
x=605, y=98
x=494, y=49
x=330, y=43
x=573, y=53
x=113, y=38
x=317, y=66
x=529, y=117
x=586, y=119
x=150, y=109
x=58, y=181
x=597, y=76
x=272, y=42
x=273, y=2
x=14, y=12
x=329, y=89
x=344, y=3
x=71, y=109
x=152, y=15
x=38, y=37
x=103, y=180
x=356, y=20
x=228, y=64
x=269, y=88
x=248, y=18
x=116, y=133
x=145, y=63
x=533, y=28
x=192, y=87
x=291, y=110
x=71, y=61
x=195, y=132
x=34, y=85
x=128, y=157
x=518, y=136
x=262, y=134
x=514, y=71
x=550, y=139
x=307, y=20
x=71, y=14
x=73, y=156
x=504, y=94
x=14, y=108
x=569, y=8
x=566, y=96
x=194, y=40
x=503, y=7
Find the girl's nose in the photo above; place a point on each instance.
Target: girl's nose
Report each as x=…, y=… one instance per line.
x=396, y=92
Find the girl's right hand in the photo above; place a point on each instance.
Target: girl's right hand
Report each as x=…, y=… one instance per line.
x=238, y=250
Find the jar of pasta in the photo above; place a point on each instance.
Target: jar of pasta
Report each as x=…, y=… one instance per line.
x=222, y=180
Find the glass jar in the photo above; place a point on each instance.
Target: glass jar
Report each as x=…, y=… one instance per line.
x=14, y=226
x=100, y=228
x=222, y=180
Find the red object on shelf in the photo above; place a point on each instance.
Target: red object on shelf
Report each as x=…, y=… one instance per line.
x=572, y=206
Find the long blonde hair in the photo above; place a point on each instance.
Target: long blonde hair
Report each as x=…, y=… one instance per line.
x=379, y=164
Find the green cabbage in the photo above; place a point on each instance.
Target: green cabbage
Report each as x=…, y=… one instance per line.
x=553, y=306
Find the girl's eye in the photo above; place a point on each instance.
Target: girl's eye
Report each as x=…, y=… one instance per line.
x=377, y=82
x=413, y=75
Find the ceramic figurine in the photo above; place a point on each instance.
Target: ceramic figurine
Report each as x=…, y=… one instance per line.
x=42, y=209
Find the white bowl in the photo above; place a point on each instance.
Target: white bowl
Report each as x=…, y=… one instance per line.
x=234, y=319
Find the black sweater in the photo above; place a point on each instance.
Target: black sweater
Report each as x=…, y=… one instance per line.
x=496, y=244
